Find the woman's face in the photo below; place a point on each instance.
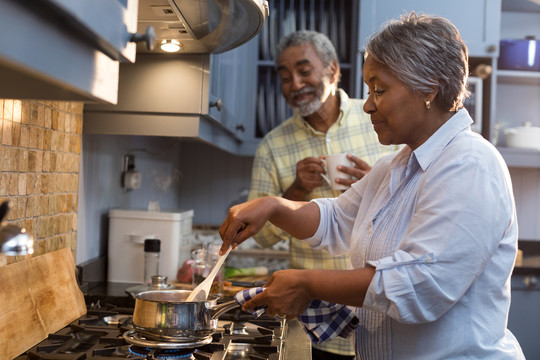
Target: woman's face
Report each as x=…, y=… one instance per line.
x=398, y=115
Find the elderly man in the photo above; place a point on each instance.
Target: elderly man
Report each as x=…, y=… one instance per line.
x=288, y=160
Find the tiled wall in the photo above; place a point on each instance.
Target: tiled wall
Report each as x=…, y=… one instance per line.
x=40, y=148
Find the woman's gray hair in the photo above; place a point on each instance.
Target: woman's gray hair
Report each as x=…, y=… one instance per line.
x=320, y=42
x=424, y=52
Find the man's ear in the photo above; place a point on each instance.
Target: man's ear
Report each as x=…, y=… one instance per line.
x=334, y=72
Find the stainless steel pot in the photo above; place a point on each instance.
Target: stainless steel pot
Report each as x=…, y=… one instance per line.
x=164, y=315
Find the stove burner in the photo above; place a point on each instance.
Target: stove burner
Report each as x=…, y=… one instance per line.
x=237, y=328
x=133, y=338
x=161, y=354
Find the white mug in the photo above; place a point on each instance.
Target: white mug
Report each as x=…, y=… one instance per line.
x=332, y=161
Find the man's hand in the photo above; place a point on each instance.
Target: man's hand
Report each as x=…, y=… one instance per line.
x=308, y=177
x=360, y=169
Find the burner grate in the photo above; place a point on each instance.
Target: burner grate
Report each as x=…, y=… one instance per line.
x=101, y=334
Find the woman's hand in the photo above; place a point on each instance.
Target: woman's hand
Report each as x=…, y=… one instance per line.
x=300, y=219
x=286, y=294
x=244, y=221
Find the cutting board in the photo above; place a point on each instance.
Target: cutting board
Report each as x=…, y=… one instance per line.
x=229, y=290
x=38, y=296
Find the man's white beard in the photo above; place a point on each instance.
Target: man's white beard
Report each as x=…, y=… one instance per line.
x=308, y=108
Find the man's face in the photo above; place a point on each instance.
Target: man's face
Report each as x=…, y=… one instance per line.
x=305, y=82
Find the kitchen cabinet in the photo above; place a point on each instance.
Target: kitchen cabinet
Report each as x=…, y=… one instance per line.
x=230, y=80
x=180, y=95
x=65, y=49
x=478, y=20
x=517, y=92
x=515, y=102
x=524, y=316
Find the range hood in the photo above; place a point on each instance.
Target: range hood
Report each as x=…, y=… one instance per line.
x=202, y=26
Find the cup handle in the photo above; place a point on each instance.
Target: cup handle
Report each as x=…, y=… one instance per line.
x=326, y=179
x=324, y=176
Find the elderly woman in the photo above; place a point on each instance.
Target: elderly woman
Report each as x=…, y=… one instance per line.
x=431, y=230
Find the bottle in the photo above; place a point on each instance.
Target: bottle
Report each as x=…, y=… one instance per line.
x=152, y=247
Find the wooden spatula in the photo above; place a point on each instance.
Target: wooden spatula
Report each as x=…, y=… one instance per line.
x=200, y=293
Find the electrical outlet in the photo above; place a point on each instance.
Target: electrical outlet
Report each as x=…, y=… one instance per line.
x=132, y=180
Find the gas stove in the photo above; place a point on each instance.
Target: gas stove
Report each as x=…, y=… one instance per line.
x=106, y=332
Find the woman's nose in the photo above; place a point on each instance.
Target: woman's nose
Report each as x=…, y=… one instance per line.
x=369, y=105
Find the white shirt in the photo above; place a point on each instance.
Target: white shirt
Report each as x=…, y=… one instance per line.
x=439, y=226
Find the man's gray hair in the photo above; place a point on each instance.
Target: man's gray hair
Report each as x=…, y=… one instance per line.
x=320, y=42
x=424, y=52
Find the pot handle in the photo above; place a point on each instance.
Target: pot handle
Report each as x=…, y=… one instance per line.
x=220, y=309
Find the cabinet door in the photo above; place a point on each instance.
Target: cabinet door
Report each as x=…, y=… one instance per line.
x=524, y=317
x=477, y=20
x=106, y=23
x=231, y=93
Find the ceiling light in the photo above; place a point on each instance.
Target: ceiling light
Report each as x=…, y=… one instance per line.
x=170, y=45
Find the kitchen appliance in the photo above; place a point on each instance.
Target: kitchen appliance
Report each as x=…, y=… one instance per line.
x=519, y=54
x=202, y=26
x=129, y=228
x=106, y=331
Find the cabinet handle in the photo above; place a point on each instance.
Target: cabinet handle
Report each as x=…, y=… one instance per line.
x=531, y=282
x=491, y=48
x=217, y=104
x=240, y=127
x=149, y=38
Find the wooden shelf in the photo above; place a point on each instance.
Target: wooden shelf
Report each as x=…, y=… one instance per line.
x=518, y=77
x=522, y=158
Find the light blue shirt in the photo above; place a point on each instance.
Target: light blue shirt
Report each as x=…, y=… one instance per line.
x=439, y=226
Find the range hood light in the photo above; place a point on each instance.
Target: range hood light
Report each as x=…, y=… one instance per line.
x=170, y=46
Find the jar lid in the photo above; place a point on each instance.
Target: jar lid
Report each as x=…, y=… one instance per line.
x=152, y=245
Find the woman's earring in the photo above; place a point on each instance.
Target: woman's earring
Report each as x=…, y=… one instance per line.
x=428, y=104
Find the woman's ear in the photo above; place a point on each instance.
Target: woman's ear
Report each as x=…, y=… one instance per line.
x=432, y=95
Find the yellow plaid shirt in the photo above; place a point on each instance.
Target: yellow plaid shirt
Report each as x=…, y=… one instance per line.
x=274, y=170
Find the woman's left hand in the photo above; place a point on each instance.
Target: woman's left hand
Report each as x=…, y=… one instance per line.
x=285, y=295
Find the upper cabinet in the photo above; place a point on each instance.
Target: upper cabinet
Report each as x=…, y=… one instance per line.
x=477, y=20
x=183, y=95
x=65, y=49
